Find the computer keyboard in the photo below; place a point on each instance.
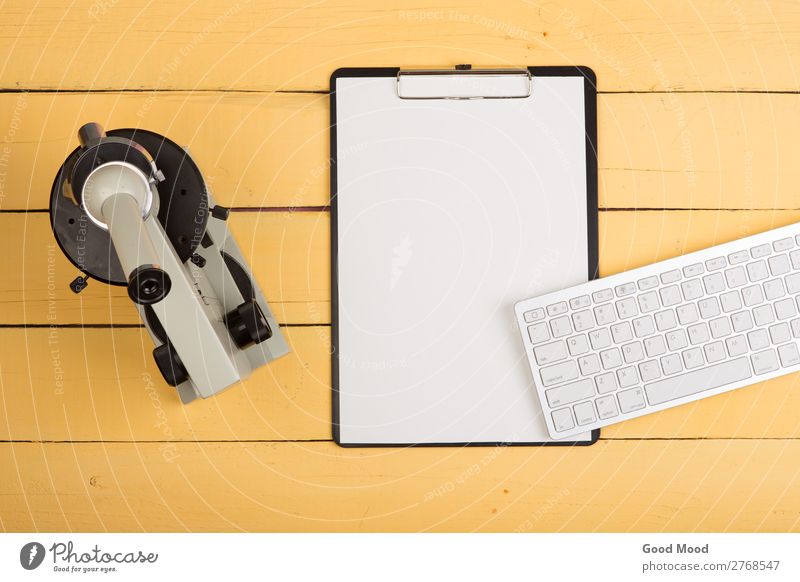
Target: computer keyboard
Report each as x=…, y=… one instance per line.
x=666, y=334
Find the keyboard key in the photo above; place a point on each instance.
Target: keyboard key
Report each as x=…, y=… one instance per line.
x=715, y=352
x=606, y=407
x=627, y=377
x=534, y=315
x=580, y=302
x=693, y=270
x=716, y=264
x=538, y=333
x=709, y=307
x=764, y=362
x=560, y=326
x=737, y=345
x=604, y=314
x=648, y=302
x=714, y=283
x=742, y=321
x=584, y=413
x=577, y=345
x=569, y=393
x=665, y=320
x=795, y=324
x=730, y=301
x=558, y=373
x=676, y=340
x=780, y=333
x=643, y=326
x=632, y=352
x=648, y=283
x=670, y=295
x=779, y=265
x=738, y=257
x=758, y=339
x=698, y=333
x=763, y=315
x=752, y=295
x=655, y=346
x=670, y=277
x=621, y=332
x=697, y=381
x=602, y=296
x=736, y=277
x=793, y=283
x=789, y=355
x=631, y=400
x=693, y=358
x=611, y=358
x=783, y=244
x=720, y=327
x=627, y=308
x=757, y=271
x=625, y=289
x=583, y=320
x=600, y=338
x=785, y=309
x=589, y=364
x=687, y=314
x=549, y=353
x=606, y=382
x=761, y=251
x=692, y=289
x=562, y=419
x=671, y=364
x=774, y=289
x=557, y=309
x=794, y=256
x=649, y=370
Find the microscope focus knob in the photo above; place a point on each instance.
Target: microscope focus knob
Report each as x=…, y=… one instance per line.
x=247, y=324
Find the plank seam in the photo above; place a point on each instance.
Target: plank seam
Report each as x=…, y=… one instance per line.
x=256, y=441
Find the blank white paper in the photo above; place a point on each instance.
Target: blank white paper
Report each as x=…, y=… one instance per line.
x=449, y=212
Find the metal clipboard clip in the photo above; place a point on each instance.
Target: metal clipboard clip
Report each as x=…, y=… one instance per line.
x=464, y=82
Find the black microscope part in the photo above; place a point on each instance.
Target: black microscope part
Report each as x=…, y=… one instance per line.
x=148, y=284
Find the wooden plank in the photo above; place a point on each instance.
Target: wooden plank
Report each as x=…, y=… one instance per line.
x=289, y=255
x=654, y=486
x=263, y=149
x=287, y=252
x=270, y=149
x=295, y=45
x=102, y=384
x=698, y=151
x=71, y=384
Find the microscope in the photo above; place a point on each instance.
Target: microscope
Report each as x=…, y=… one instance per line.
x=129, y=207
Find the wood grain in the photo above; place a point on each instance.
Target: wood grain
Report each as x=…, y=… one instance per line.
x=287, y=252
x=270, y=149
x=289, y=255
x=242, y=85
x=90, y=384
x=260, y=45
x=649, y=486
x=72, y=384
x=263, y=149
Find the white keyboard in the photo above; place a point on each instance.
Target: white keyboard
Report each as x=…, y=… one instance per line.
x=665, y=334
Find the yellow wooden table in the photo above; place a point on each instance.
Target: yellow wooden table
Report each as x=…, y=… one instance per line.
x=699, y=118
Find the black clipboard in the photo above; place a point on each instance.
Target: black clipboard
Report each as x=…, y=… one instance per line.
x=590, y=124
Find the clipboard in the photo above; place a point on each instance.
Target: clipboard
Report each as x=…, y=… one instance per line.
x=454, y=194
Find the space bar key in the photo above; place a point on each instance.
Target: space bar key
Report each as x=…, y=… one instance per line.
x=698, y=381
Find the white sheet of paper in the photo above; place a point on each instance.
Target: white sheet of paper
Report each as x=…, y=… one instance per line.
x=450, y=211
